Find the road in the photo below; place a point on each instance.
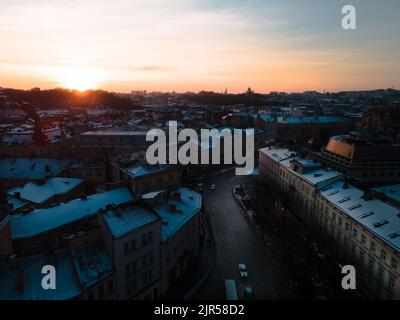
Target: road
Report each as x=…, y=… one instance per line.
x=237, y=242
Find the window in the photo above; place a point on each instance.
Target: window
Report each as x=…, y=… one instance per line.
x=353, y=248
x=91, y=295
x=347, y=226
x=340, y=221
x=391, y=282
x=133, y=245
x=371, y=264
x=394, y=264
x=363, y=240
x=143, y=240
x=355, y=233
x=380, y=272
x=126, y=248
x=150, y=237
x=383, y=255
x=372, y=247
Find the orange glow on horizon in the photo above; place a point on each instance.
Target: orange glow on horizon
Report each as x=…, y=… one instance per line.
x=80, y=79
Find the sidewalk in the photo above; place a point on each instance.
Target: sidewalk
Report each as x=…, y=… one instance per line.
x=312, y=276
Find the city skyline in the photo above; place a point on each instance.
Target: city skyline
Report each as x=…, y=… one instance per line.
x=192, y=45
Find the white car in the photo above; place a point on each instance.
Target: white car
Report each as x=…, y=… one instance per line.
x=213, y=187
x=243, y=270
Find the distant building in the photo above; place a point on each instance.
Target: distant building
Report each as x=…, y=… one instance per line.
x=114, y=138
x=384, y=120
x=369, y=161
x=302, y=129
x=143, y=178
x=268, y=123
x=17, y=172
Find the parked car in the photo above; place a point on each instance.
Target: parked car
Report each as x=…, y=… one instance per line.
x=243, y=270
x=248, y=293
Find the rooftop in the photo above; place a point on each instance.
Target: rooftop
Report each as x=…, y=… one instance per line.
x=92, y=264
x=114, y=133
x=44, y=220
x=146, y=170
x=380, y=218
x=31, y=169
x=39, y=193
x=392, y=191
x=121, y=221
x=278, y=154
x=307, y=120
x=185, y=208
x=314, y=177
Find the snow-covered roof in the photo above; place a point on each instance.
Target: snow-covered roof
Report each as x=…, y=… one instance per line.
x=145, y=170
x=315, y=177
x=380, y=218
x=114, y=133
x=16, y=203
x=267, y=117
x=44, y=220
x=92, y=264
x=121, y=221
x=278, y=154
x=151, y=195
x=307, y=120
x=31, y=169
x=39, y=193
x=188, y=206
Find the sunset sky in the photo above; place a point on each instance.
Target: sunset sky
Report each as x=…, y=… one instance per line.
x=181, y=45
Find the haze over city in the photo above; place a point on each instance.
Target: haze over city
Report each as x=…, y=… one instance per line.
x=198, y=45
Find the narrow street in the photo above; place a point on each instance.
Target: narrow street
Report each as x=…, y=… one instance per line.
x=237, y=242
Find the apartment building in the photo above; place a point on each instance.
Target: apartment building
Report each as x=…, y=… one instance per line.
x=365, y=232
x=368, y=160
x=132, y=237
x=361, y=230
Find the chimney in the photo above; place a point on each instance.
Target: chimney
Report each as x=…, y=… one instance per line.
x=47, y=168
x=172, y=207
x=177, y=196
x=17, y=195
x=83, y=196
x=367, y=195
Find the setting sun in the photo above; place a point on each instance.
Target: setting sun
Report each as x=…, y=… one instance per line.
x=78, y=79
